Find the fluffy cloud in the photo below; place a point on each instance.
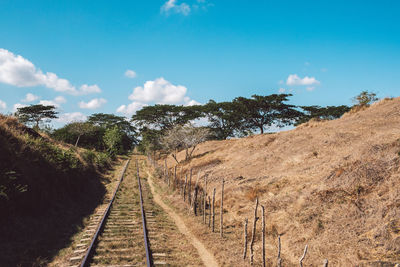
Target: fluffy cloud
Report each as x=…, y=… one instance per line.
x=55, y=102
x=30, y=98
x=3, y=105
x=281, y=90
x=93, y=104
x=130, y=74
x=293, y=79
x=71, y=117
x=89, y=89
x=130, y=109
x=172, y=6
x=159, y=91
x=18, y=71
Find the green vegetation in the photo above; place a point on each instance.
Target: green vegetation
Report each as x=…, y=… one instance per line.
x=99, y=132
x=46, y=189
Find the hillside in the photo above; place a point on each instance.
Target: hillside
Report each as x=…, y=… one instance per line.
x=333, y=185
x=46, y=189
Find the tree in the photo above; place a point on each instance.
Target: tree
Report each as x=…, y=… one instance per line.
x=260, y=112
x=150, y=141
x=80, y=128
x=113, y=140
x=184, y=137
x=34, y=114
x=129, y=133
x=365, y=98
x=83, y=134
x=224, y=118
x=163, y=117
x=323, y=113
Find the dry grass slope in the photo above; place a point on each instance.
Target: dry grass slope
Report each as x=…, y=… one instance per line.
x=334, y=185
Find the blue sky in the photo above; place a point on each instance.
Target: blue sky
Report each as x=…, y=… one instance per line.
x=76, y=54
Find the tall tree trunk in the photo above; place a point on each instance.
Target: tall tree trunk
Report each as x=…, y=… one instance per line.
x=261, y=129
x=77, y=140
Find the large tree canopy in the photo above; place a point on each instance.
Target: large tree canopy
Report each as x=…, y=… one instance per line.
x=224, y=118
x=163, y=117
x=34, y=114
x=323, y=113
x=261, y=112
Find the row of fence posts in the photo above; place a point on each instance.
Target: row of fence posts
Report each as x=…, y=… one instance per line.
x=198, y=201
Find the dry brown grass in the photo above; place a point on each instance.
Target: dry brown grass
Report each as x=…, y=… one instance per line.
x=333, y=185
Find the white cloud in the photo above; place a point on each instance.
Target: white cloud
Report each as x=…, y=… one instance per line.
x=160, y=91
x=18, y=105
x=130, y=74
x=71, y=117
x=310, y=88
x=172, y=6
x=30, y=98
x=89, y=89
x=192, y=102
x=3, y=105
x=93, y=104
x=281, y=90
x=293, y=79
x=18, y=71
x=55, y=102
x=129, y=110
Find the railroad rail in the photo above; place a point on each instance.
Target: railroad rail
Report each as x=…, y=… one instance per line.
x=130, y=224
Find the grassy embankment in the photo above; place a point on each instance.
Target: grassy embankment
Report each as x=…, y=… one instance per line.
x=46, y=189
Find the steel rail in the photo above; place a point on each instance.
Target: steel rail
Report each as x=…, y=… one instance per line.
x=149, y=261
x=86, y=259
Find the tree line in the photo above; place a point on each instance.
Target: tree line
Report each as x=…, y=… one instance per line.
x=172, y=127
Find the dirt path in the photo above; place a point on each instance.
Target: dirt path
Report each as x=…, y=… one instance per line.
x=207, y=258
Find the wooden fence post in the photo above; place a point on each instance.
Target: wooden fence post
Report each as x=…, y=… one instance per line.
x=184, y=189
x=209, y=215
x=245, y=238
x=205, y=200
x=263, y=234
x=253, y=235
x=213, y=211
x=221, y=227
x=190, y=188
x=175, y=177
x=195, y=200
x=302, y=257
x=165, y=170
x=279, y=251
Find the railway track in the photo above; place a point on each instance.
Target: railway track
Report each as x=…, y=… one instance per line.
x=129, y=229
x=117, y=234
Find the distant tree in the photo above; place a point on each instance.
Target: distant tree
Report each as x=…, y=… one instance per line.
x=365, y=98
x=83, y=134
x=323, y=113
x=110, y=120
x=184, y=137
x=113, y=141
x=34, y=114
x=150, y=141
x=224, y=118
x=80, y=128
x=261, y=112
x=163, y=117
x=129, y=132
